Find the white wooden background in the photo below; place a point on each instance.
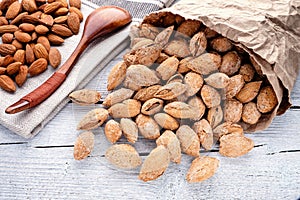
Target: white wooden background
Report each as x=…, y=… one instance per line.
x=44, y=168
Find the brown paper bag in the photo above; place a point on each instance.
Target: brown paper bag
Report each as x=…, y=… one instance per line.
x=268, y=30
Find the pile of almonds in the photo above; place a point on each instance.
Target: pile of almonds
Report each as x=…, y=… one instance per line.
x=184, y=86
x=29, y=29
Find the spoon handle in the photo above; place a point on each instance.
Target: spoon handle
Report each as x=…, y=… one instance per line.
x=100, y=22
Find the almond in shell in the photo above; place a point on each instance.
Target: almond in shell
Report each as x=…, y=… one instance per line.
x=138, y=76
x=166, y=121
x=93, y=119
x=147, y=126
x=116, y=75
x=210, y=96
x=155, y=164
x=249, y=91
x=189, y=140
x=85, y=96
x=168, y=68
x=233, y=145
x=205, y=133
x=194, y=83
x=146, y=93
x=123, y=156
x=152, y=106
x=112, y=131
x=126, y=109
x=250, y=113
x=233, y=111
x=117, y=96
x=170, y=91
x=171, y=142
x=266, y=99
x=202, y=168
x=130, y=129
x=205, y=63
x=84, y=145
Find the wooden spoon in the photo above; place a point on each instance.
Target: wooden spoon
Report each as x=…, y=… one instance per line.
x=100, y=22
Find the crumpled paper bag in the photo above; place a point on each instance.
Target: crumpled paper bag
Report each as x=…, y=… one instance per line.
x=268, y=30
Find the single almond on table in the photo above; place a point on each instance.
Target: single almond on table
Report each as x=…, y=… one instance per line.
x=85, y=97
x=202, y=168
x=84, y=145
x=93, y=119
x=155, y=164
x=123, y=156
x=233, y=145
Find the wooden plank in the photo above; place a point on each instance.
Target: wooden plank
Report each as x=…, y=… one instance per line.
x=52, y=172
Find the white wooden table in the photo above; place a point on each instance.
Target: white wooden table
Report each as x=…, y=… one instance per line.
x=44, y=167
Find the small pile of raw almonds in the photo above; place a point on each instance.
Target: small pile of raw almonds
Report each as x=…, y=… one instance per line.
x=186, y=89
x=28, y=30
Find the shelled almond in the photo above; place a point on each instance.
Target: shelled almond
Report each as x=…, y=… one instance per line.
x=186, y=87
x=29, y=29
